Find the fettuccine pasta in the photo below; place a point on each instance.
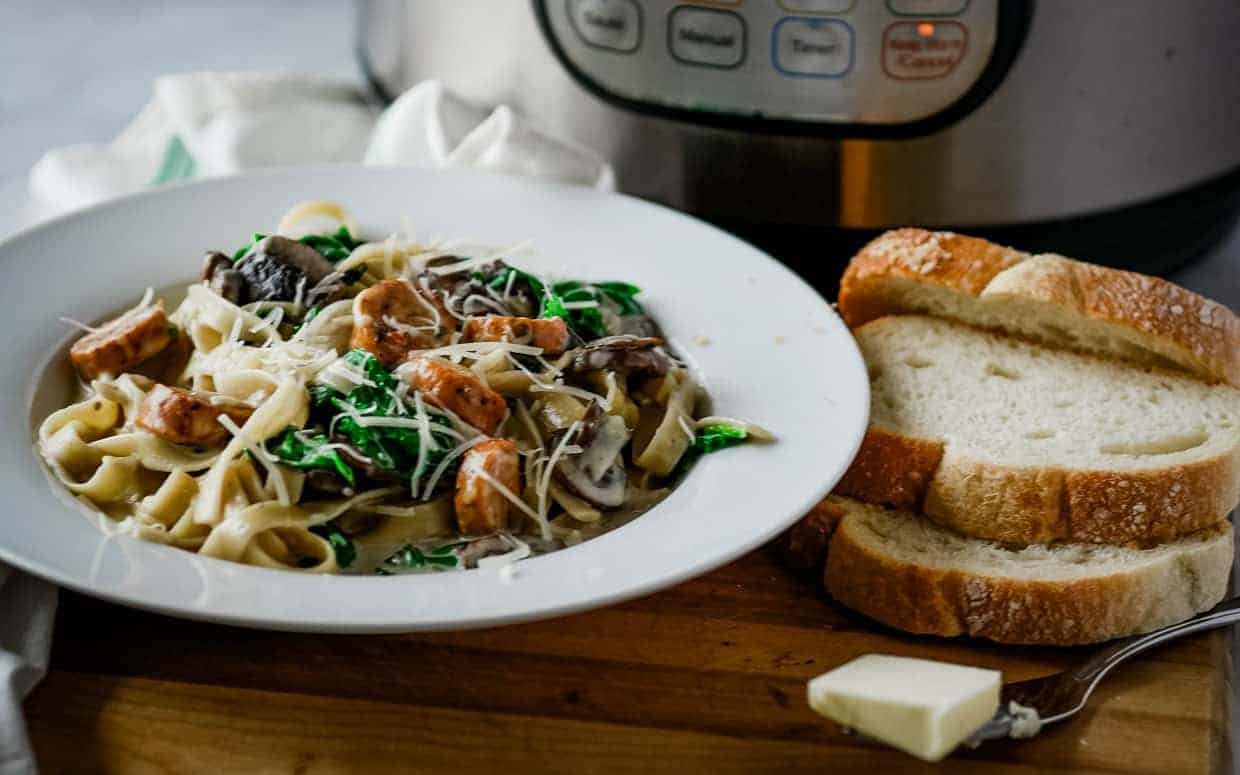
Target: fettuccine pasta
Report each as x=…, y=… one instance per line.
x=326, y=404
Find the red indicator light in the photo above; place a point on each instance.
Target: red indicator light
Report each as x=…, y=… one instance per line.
x=925, y=29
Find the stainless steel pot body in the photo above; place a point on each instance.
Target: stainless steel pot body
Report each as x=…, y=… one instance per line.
x=1106, y=105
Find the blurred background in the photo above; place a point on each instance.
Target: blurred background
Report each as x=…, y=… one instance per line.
x=74, y=72
x=1055, y=149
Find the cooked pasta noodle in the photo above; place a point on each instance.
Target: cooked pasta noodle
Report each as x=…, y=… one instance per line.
x=327, y=404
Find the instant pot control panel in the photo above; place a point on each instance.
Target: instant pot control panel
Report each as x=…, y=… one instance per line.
x=809, y=63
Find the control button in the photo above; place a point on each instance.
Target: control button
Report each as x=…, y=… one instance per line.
x=700, y=36
x=923, y=50
x=611, y=24
x=927, y=7
x=817, y=6
x=814, y=48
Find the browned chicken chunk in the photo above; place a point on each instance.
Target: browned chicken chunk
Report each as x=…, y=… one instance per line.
x=480, y=506
x=119, y=345
x=551, y=334
x=392, y=319
x=188, y=417
x=458, y=390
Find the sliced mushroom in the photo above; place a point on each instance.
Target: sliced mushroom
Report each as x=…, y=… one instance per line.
x=607, y=492
x=220, y=276
x=597, y=474
x=634, y=354
x=487, y=546
x=277, y=266
x=602, y=447
x=493, y=545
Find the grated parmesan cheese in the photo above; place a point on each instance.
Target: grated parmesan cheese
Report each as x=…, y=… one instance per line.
x=426, y=442
x=475, y=349
x=544, y=483
x=78, y=324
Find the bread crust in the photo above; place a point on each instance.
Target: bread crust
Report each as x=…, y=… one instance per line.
x=891, y=469
x=949, y=260
x=1167, y=324
x=1026, y=505
x=803, y=547
x=927, y=599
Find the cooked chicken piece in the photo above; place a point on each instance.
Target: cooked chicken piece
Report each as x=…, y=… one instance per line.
x=188, y=417
x=168, y=365
x=392, y=319
x=480, y=506
x=119, y=345
x=551, y=334
x=458, y=390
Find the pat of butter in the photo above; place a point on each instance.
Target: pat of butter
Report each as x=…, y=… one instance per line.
x=921, y=707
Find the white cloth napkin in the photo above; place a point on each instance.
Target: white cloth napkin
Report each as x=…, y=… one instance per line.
x=206, y=124
x=27, y=609
x=210, y=123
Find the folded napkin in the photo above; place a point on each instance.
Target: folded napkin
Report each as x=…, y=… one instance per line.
x=27, y=608
x=207, y=124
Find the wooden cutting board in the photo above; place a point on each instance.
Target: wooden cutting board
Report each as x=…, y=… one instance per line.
x=708, y=676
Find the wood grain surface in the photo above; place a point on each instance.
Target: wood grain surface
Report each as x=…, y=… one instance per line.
x=706, y=677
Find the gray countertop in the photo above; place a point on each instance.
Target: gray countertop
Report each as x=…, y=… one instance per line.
x=77, y=71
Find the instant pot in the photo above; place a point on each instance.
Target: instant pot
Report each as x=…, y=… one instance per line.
x=1107, y=130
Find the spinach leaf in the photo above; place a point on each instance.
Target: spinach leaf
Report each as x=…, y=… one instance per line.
x=587, y=322
x=335, y=246
x=411, y=559
x=394, y=450
x=710, y=439
x=341, y=544
x=305, y=451
x=713, y=438
x=536, y=286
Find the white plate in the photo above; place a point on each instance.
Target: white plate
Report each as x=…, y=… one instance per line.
x=777, y=355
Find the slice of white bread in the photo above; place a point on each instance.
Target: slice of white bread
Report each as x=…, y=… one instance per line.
x=1006, y=440
x=907, y=573
x=1048, y=298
